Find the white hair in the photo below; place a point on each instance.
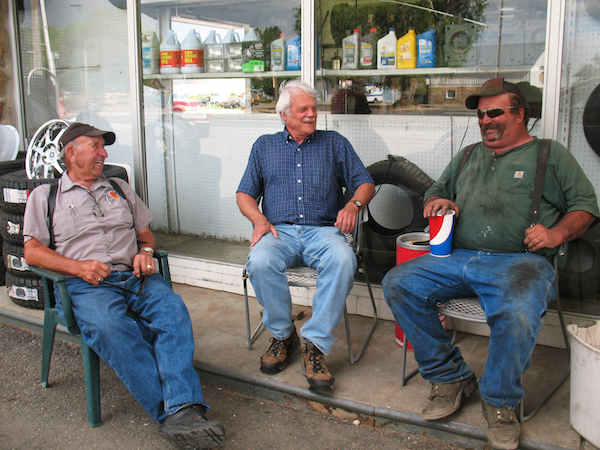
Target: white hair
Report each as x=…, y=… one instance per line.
x=285, y=96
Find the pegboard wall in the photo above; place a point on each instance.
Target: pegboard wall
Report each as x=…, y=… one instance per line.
x=581, y=57
x=209, y=159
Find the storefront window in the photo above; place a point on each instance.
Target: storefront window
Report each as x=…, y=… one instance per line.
x=394, y=57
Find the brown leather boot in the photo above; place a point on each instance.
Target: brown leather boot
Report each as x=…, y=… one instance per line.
x=276, y=357
x=313, y=366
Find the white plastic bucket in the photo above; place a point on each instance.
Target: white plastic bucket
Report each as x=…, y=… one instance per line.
x=9, y=142
x=584, y=339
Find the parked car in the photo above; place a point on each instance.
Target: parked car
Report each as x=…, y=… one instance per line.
x=185, y=105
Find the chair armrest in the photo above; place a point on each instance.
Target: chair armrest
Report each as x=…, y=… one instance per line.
x=49, y=276
x=163, y=264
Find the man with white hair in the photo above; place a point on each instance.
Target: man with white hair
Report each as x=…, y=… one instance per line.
x=299, y=173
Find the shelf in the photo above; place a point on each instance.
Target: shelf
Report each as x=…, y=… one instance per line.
x=346, y=73
x=194, y=76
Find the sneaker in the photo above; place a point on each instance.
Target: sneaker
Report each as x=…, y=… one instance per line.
x=313, y=366
x=504, y=428
x=445, y=398
x=277, y=356
x=190, y=428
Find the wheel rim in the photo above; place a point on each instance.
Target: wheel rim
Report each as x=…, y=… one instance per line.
x=43, y=154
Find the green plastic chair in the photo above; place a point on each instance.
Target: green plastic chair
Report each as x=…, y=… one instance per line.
x=91, y=362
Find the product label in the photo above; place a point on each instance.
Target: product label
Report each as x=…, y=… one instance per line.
x=170, y=59
x=366, y=54
x=190, y=58
x=253, y=51
x=388, y=59
x=16, y=263
x=147, y=58
x=349, y=51
x=277, y=56
x=15, y=195
x=404, y=52
x=23, y=293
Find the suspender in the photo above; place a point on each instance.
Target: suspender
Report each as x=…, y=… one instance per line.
x=540, y=175
x=52, y=205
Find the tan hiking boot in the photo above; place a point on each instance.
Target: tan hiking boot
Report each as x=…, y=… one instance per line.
x=445, y=398
x=277, y=356
x=313, y=366
x=504, y=428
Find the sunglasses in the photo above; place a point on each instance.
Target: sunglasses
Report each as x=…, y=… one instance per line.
x=492, y=112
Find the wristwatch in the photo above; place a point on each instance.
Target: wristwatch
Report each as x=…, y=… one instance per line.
x=147, y=249
x=357, y=203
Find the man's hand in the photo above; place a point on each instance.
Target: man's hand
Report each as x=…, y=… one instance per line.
x=538, y=237
x=260, y=229
x=93, y=271
x=346, y=218
x=436, y=203
x=143, y=263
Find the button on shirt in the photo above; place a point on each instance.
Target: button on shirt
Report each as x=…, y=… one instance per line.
x=302, y=183
x=89, y=224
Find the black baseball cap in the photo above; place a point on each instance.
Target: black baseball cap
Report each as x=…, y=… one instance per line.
x=77, y=129
x=495, y=86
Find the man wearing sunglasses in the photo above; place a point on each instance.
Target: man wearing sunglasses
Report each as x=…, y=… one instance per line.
x=100, y=239
x=498, y=255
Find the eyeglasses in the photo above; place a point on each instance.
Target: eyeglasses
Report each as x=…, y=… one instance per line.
x=142, y=283
x=493, y=112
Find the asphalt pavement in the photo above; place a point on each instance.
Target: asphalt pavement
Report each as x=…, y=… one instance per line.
x=32, y=417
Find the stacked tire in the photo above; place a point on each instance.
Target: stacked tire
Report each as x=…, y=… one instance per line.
x=8, y=167
x=24, y=287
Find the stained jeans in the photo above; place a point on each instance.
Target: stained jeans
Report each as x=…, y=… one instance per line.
x=324, y=248
x=153, y=354
x=513, y=289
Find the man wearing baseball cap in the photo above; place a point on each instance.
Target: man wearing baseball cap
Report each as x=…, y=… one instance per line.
x=101, y=240
x=498, y=256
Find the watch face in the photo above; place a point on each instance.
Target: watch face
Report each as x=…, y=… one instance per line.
x=357, y=203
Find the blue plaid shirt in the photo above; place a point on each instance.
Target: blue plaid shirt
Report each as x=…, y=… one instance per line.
x=302, y=184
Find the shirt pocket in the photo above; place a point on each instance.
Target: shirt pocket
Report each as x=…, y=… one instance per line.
x=65, y=224
x=519, y=180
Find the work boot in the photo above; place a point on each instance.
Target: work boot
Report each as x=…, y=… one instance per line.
x=278, y=354
x=445, y=398
x=190, y=428
x=313, y=366
x=504, y=428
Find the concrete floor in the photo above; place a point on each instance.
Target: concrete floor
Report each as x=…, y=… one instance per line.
x=370, y=385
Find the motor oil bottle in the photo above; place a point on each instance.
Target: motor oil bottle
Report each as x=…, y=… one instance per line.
x=350, y=50
x=192, y=53
x=150, y=53
x=426, y=49
x=214, y=60
x=386, y=51
x=406, y=51
x=253, y=52
x=278, y=53
x=368, y=52
x=232, y=48
x=170, y=54
x=293, y=53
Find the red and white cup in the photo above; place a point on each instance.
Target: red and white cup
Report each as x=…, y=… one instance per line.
x=440, y=233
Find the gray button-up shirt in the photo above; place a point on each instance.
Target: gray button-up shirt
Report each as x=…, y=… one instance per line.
x=96, y=224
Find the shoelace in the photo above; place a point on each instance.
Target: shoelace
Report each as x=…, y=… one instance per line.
x=504, y=415
x=317, y=360
x=434, y=392
x=276, y=347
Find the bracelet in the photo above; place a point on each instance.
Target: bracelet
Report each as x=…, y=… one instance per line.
x=147, y=249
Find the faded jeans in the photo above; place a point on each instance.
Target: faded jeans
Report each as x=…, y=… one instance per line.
x=153, y=354
x=322, y=247
x=513, y=289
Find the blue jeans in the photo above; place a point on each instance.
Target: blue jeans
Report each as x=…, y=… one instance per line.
x=153, y=354
x=322, y=247
x=513, y=289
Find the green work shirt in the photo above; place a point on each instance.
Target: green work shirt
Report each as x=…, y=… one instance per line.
x=494, y=193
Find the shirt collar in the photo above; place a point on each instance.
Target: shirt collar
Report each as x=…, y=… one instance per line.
x=66, y=183
x=288, y=137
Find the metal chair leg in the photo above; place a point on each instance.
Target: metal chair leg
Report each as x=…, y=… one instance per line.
x=251, y=336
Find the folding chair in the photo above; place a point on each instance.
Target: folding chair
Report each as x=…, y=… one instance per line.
x=469, y=310
x=91, y=362
x=307, y=277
